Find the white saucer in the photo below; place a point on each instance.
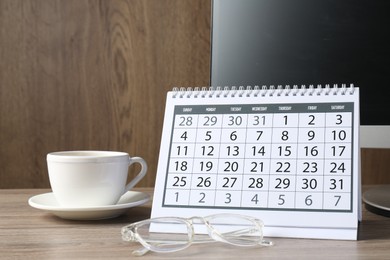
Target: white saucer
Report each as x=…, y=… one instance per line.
x=48, y=202
x=377, y=200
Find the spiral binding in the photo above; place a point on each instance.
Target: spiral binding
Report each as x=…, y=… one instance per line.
x=257, y=91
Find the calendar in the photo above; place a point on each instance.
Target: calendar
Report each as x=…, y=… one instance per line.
x=289, y=156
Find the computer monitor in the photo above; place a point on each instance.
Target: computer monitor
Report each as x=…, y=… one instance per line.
x=302, y=42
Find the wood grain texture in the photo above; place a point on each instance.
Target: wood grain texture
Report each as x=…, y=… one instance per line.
x=89, y=74
x=80, y=74
x=25, y=231
x=375, y=165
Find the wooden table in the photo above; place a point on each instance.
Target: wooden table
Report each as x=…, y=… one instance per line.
x=29, y=233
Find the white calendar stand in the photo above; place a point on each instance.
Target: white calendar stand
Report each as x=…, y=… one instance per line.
x=289, y=157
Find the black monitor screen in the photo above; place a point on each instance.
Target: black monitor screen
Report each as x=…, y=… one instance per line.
x=303, y=42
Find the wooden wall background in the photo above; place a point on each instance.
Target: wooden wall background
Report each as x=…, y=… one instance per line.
x=89, y=74
x=79, y=74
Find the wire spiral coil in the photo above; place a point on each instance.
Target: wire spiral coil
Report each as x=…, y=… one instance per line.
x=262, y=91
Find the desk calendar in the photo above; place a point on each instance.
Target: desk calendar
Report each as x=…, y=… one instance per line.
x=289, y=156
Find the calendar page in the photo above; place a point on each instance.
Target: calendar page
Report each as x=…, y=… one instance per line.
x=289, y=157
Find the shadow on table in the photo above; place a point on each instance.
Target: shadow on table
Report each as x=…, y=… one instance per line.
x=132, y=215
x=374, y=229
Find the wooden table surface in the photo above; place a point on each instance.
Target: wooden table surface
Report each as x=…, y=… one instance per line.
x=29, y=233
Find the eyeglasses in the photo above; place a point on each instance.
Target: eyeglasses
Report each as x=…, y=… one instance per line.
x=178, y=233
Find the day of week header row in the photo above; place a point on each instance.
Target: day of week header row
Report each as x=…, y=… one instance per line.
x=265, y=108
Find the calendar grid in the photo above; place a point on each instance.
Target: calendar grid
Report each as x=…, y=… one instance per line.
x=219, y=171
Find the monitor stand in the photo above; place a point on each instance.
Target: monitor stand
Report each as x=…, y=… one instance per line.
x=377, y=200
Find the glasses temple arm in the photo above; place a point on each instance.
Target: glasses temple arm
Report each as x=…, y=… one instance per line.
x=140, y=251
x=240, y=233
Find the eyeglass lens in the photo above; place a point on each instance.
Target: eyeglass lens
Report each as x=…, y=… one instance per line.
x=177, y=234
x=237, y=230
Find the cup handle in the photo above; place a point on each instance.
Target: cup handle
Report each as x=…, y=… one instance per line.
x=140, y=175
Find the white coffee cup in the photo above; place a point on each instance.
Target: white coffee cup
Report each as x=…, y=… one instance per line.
x=91, y=178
